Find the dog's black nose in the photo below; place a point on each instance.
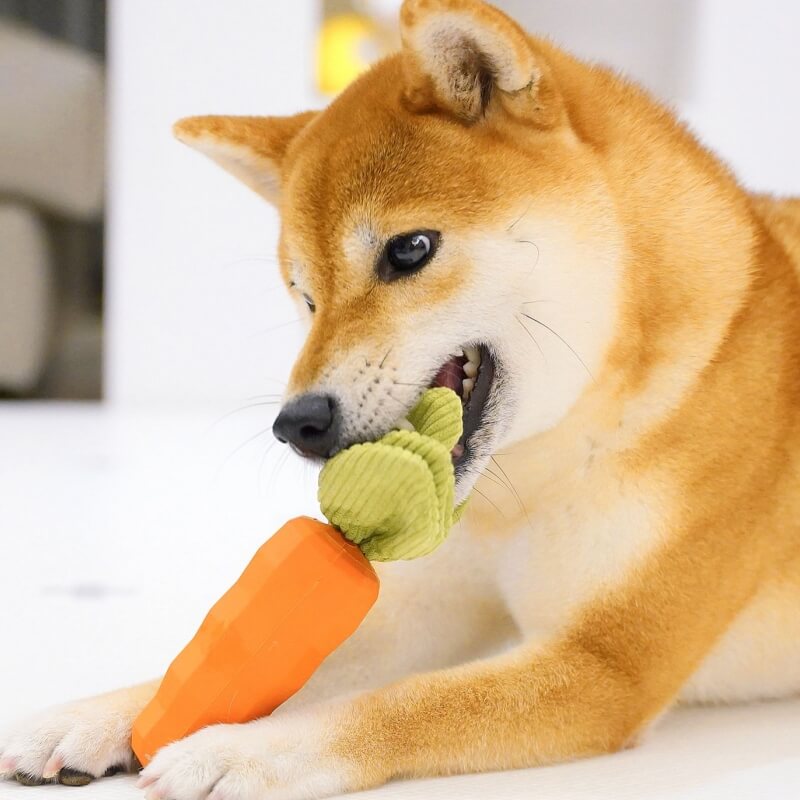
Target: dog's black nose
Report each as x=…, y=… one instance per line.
x=310, y=423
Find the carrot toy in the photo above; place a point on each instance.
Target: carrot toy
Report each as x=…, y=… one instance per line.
x=311, y=584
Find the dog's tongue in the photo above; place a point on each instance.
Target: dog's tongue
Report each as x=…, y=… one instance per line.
x=452, y=375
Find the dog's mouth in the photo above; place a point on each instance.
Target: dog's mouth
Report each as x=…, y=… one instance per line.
x=470, y=373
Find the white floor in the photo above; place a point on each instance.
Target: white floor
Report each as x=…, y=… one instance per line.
x=118, y=531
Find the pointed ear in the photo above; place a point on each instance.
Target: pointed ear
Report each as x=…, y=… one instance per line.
x=464, y=57
x=252, y=149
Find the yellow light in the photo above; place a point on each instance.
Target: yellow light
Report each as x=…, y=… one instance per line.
x=342, y=48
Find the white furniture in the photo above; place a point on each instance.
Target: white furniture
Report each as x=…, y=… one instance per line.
x=51, y=161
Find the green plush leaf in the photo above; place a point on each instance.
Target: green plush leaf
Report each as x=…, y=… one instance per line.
x=394, y=497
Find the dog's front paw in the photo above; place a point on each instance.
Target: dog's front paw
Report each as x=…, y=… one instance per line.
x=71, y=744
x=262, y=760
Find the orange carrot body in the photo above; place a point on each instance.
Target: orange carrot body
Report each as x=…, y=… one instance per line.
x=303, y=593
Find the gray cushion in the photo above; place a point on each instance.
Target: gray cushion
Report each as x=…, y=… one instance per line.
x=24, y=297
x=51, y=123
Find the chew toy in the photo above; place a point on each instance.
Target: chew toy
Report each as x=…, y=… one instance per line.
x=310, y=585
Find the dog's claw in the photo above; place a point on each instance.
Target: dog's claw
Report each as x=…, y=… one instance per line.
x=65, y=776
x=7, y=768
x=52, y=767
x=145, y=781
x=29, y=780
x=74, y=777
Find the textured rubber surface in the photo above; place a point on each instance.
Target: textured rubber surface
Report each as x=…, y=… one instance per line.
x=303, y=593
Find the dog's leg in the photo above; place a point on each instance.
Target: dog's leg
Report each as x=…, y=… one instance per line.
x=590, y=690
x=430, y=614
x=75, y=742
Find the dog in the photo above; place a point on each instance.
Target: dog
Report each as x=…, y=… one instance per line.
x=622, y=320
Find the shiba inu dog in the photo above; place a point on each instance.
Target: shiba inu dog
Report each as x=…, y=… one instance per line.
x=622, y=321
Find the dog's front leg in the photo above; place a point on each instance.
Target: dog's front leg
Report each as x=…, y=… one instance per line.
x=521, y=709
x=436, y=612
x=590, y=690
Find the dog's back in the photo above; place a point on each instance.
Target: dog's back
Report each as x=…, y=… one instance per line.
x=782, y=216
x=759, y=655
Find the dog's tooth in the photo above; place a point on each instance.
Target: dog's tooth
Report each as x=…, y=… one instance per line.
x=470, y=369
x=459, y=352
x=473, y=354
x=469, y=385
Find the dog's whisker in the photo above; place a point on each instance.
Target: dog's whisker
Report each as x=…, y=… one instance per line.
x=276, y=328
x=243, y=445
x=519, y=218
x=383, y=360
x=538, y=252
x=261, y=404
x=563, y=341
x=490, y=502
x=506, y=484
x=486, y=473
x=279, y=465
x=533, y=339
x=256, y=397
x=263, y=460
x=401, y=403
x=513, y=489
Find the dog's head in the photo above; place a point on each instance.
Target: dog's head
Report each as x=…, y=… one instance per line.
x=442, y=224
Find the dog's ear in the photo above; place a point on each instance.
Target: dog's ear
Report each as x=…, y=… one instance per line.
x=464, y=56
x=252, y=149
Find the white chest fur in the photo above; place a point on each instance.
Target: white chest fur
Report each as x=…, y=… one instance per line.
x=572, y=543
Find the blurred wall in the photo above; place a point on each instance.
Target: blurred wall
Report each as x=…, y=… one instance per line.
x=655, y=39
x=191, y=294
x=729, y=67
x=745, y=99
x=196, y=314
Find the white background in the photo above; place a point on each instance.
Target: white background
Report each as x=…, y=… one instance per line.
x=194, y=296
x=191, y=275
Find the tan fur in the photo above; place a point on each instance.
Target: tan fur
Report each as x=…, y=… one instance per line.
x=636, y=536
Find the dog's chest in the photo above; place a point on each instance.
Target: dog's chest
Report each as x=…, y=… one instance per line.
x=576, y=543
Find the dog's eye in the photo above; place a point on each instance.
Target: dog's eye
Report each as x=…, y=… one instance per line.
x=407, y=253
x=310, y=303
